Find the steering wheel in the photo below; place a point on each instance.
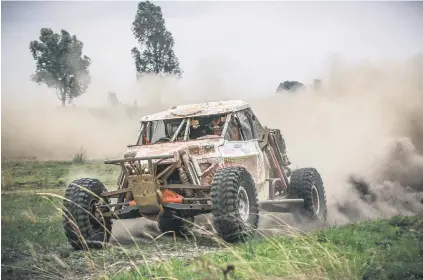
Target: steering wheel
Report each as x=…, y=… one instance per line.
x=163, y=139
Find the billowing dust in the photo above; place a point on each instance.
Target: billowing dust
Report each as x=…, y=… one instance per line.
x=363, y=130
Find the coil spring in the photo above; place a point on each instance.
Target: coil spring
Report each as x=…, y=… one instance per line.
x=276, y=167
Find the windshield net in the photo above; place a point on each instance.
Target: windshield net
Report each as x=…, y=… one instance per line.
x=199, y=127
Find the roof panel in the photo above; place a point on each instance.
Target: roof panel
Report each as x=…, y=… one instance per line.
x=199, y=109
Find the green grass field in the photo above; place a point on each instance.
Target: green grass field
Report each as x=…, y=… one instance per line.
x=34, y=245
x=383, y=249
x=35, y=175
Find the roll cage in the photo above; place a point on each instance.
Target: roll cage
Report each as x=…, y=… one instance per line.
x=238, y=125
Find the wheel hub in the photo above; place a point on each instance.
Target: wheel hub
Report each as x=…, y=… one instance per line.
x=315, y=199
x=243, y=203
x=95, y=214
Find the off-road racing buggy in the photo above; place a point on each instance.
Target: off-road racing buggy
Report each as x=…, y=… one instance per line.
x=202, y=158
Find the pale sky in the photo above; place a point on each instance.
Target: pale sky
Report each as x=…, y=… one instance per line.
x=261, y=43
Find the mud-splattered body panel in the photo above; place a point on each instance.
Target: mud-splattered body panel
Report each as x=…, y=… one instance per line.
x=247, y=154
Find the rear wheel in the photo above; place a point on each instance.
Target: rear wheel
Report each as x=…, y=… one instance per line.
x=84, y=225
x=306, y=183
x=234, y=204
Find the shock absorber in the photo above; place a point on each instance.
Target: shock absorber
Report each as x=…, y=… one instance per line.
x=183, y=177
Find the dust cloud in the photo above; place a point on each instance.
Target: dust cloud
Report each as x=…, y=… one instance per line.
x=363, y=130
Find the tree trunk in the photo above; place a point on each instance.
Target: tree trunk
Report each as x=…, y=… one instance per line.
x=63, y=92
x=63, y=98
x=156, y=58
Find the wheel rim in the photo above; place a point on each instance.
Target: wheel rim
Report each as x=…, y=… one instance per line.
x=95, y=218
x=315, y=199
x=243, y=203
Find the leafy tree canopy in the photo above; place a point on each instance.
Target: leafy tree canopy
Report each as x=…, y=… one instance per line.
x=60, y=64
x=289, y=86
x=156, y=54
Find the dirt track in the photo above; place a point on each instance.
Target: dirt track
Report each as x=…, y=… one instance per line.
x=141, y=230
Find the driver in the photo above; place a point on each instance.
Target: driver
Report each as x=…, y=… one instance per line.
x=216, y=125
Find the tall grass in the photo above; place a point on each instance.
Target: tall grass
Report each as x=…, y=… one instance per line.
x=34, y=247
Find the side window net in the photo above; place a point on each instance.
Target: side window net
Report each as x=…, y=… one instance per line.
x=257, y=128
x=245, y=125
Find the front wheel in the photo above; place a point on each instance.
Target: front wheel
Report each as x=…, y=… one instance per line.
x=84, y=225
x=306, y=183
x=234, y=204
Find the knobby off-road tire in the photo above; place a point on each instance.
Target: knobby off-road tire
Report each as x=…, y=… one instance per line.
x=231, y=186
x=172, y=221
x=82, y=229
x=306, y=183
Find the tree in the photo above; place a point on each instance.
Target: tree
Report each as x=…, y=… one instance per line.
x=113, y=100
x=60, y=64
x=289, y=86
x=155, y=54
